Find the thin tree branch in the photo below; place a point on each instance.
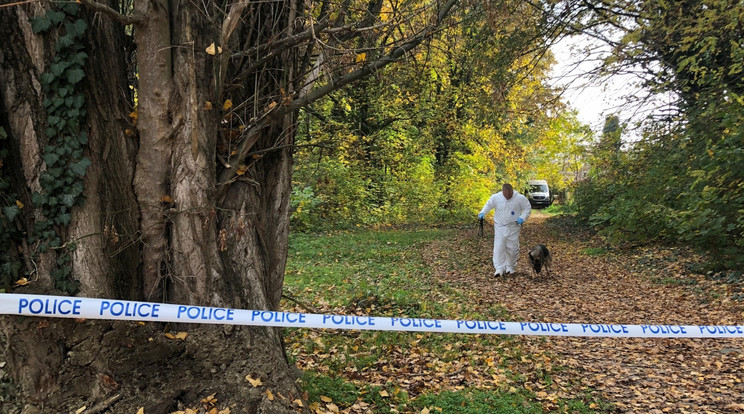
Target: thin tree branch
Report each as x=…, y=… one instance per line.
x=372, y=67
x=277, y=111
x=102, y=8
x=18, y=3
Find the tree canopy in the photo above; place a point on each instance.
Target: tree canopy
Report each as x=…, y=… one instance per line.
x=680, y=182
x=431, y=140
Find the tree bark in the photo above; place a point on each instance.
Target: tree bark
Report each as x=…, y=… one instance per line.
x=133, y=244
x=106, y=259
x=104, y=228
x=151, y=181
x=23, y=113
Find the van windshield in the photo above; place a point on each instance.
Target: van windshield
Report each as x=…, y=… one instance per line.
x=539, y=188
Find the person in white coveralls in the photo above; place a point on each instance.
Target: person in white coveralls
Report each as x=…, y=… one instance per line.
x=510, y=211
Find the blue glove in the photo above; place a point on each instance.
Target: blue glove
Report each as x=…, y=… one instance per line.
x=481, y=216
x=520, y=221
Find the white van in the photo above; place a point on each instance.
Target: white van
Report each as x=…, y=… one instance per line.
x=538, y=192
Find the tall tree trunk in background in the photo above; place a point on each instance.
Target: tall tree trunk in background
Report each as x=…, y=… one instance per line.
x=186, y=199
x=154, y=117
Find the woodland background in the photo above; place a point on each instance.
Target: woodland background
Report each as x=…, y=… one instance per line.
x=429, y=141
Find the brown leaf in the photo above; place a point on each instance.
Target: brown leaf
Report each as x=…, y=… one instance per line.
x=108, y=381
x=255, y=382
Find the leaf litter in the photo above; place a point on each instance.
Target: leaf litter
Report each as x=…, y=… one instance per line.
x=647, y=285
x=634, y=374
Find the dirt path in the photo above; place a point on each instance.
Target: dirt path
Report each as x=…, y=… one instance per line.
x=636, y=375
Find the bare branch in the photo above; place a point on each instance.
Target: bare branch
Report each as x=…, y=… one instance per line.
x=251, y=134
x=102, y=8
x=277, y=48
x=18, y=3
x=373, y=66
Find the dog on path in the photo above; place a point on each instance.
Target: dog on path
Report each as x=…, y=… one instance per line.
x=540, y=258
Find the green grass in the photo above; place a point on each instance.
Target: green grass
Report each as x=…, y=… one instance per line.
x=383, y=273
x=553, y=210
x=556, y=209
x=478, y=402
x=595, y=251
x=323, y=389
x=379, y=271
x=673, y=281
x=340, y=391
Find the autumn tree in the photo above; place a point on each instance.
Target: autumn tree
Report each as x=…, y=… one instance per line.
x=680, y=181
x=425, y=142
x=147, y=155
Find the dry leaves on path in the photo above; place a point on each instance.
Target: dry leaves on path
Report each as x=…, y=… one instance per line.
x=590, y=285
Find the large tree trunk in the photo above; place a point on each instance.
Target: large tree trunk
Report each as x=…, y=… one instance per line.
x=132, y=243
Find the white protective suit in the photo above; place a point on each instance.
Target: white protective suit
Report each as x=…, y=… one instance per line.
x=506, y=229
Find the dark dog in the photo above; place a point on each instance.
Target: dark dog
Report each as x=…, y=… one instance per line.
x=540, y=258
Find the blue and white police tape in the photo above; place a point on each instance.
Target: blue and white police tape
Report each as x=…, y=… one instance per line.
x=91, y=308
